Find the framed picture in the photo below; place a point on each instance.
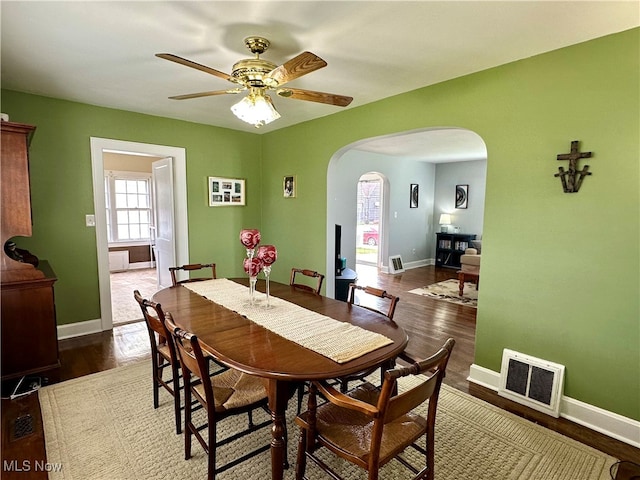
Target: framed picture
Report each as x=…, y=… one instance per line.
x=289, y=186
x=413, y=195
x=462, y=196
x=226, y=192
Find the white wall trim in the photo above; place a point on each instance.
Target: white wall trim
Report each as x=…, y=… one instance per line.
x=418, y=263
x=141, y=265
x=78, y=329
x=608, y=423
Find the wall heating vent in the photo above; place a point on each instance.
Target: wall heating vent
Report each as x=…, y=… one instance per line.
x=22, y=426
x=531, y=381
x=395, y=264
x=118, y=261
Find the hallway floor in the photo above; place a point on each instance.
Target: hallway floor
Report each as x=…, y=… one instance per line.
x=123, y=305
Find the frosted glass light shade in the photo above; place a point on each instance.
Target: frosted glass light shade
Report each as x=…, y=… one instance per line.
x=256, y=109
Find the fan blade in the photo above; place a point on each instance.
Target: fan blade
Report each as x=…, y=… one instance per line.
x=197, y=66
x=311, y=96
x=298, y=66
x=205, y=94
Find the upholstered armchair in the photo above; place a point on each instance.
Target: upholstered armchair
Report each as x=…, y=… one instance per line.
x=470, y=261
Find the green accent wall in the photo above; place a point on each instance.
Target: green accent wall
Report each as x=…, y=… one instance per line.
x=62, y=189
x=560, y=272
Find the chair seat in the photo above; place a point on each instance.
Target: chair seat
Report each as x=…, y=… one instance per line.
x=235, y=389
x=163, y=350
x=351, y=431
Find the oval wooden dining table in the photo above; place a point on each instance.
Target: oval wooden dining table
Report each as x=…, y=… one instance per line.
x=251, y=348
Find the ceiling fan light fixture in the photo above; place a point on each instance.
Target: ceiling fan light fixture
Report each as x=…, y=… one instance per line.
x=256, y=108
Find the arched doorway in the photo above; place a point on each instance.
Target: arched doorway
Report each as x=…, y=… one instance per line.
x=404, y=159
x=369, y=219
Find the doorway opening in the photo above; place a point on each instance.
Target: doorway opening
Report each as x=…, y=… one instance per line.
x=130, y=231
x=369, y=219
x=101, y=147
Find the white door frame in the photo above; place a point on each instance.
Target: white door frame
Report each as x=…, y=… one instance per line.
x=98, y=146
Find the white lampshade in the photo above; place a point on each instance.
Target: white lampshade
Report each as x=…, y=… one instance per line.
x=256, y=109
x=445, y=219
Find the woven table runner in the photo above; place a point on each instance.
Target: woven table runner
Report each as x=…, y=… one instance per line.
x=336, y=340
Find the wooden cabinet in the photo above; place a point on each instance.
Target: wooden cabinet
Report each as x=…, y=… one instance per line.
x=29, y=329
x=450, y=247
x=28, y=321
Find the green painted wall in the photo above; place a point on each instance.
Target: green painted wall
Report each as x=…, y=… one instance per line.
x=62, y=189
x=560, y=271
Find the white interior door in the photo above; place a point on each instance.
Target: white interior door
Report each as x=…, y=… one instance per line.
x=163, y=207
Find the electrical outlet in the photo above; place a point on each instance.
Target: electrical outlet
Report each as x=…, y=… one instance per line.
x=90, y=220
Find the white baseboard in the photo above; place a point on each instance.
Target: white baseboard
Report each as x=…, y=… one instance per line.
x=608, y=423
x=410, y=265
x=141, y=265
x=419, y=263
x=78, y=329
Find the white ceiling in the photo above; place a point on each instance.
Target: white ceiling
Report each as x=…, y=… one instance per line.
x=436, y=145
x=103, y=53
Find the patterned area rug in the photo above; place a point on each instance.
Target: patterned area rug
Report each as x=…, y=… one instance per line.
x=103, y=426
x=448, y=291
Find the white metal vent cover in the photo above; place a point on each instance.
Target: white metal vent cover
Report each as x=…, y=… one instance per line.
x=531, y=381
x=395, y=264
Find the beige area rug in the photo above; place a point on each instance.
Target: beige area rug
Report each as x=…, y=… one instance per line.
x=449, y=292
x=103, y=427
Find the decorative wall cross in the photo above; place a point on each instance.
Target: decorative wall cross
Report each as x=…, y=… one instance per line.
x=571, y=184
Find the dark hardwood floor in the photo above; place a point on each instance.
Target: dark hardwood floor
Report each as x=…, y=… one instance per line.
x=428, y=322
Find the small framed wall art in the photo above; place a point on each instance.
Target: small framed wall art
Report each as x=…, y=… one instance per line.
x=289, y=186
x=226, y=192
x=462, y=196
x=413, y=195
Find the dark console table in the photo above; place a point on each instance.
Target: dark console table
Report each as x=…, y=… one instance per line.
x=342, y=283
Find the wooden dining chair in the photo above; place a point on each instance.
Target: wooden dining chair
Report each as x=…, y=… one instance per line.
x=385, y=304
x=229, y=393
x=368, y=426
x=319, y=278
x=163, y=355
x=190, y=268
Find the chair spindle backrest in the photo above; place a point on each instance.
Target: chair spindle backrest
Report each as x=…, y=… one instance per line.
x=390, y=300
x=155, y=322
x=191, y=356
x=189, y=268
x=307, y=273
x=433, y=368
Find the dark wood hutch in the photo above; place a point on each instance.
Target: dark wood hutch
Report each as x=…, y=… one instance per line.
x=28, y=321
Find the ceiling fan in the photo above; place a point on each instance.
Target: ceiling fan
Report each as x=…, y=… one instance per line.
x=257, y=76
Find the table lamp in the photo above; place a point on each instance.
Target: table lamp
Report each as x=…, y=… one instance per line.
x=445, y=221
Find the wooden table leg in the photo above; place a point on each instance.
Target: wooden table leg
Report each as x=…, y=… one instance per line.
x=279, y=394
x=461, y=283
